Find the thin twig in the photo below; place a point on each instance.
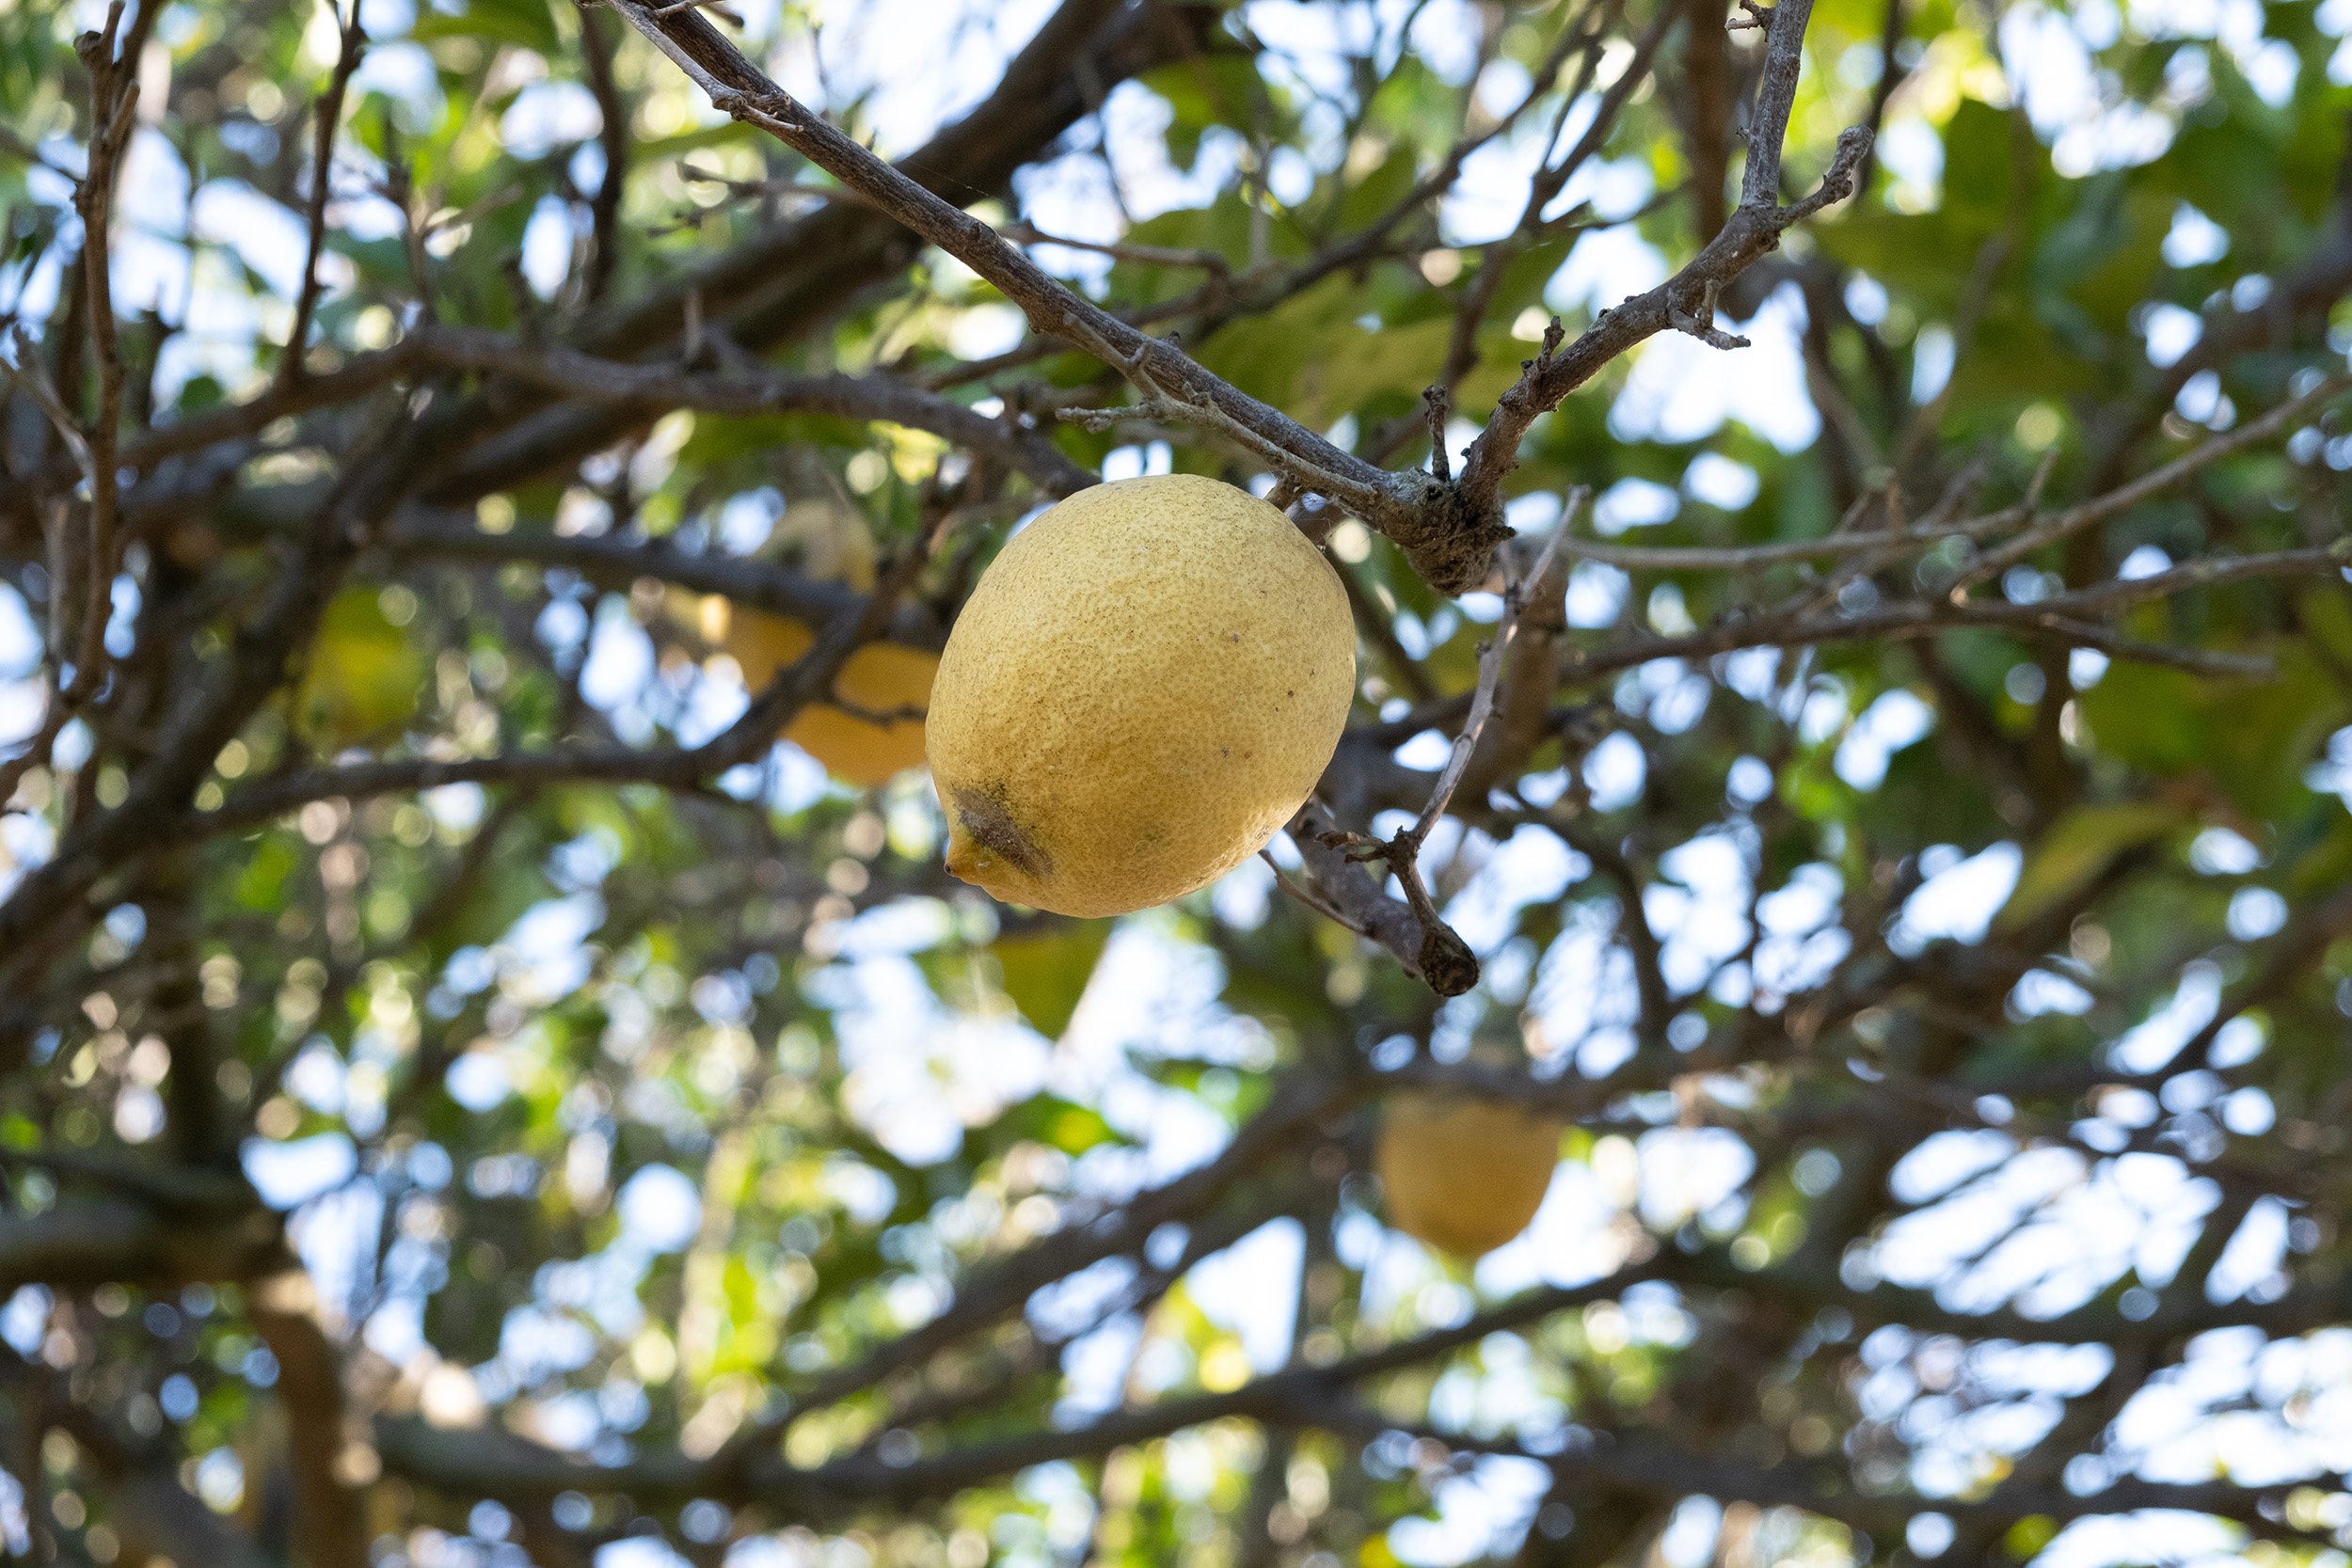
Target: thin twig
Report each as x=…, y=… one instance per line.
x=18, y=148
x=1993, y=563
x=1913, y=618
x=330, y=114
x=31, y=376
x=604, y=207
x=789, y=189
x=1929, y=530
x=1445, y=959
x=1026, y=232
x=113, y=99
x=2118, y=594
x=1145, y=368
x=1314, y=901
x=1398, y=504
x=1973, y=299
x=1754, y=230
x=1515, y=598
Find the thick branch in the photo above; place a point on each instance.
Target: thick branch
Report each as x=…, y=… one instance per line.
x=604, y=208
x=1341, y=890
x=849, y=397
x=617, y=563
x=330, y=1527
x=87, y=1241
x=589, y=378
x=1775, y=96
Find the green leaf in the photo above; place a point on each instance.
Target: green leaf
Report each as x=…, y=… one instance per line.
x=260, y=884
x=2027, y=1537
x=1203, y=93
x=1316, y=358
x=2253, y=739
x=2079, y=846
x=364, y=678
x=524, y=21
x=1372, y=197
x=1980, y=159
x=1047, y=974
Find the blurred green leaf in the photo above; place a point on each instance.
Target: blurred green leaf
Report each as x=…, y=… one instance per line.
x=1046, y=973
x=2079, y=846
x=363, y=677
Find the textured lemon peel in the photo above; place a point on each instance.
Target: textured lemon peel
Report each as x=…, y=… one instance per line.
x=1142, y=690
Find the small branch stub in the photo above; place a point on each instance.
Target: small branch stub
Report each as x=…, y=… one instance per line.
x=1436, y=403
x=1700, y=324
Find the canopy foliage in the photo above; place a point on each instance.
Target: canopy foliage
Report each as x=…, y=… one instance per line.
x=471, y=1094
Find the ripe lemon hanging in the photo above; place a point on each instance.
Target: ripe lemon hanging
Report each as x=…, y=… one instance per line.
x=1145, y=685
x=1464, y=1175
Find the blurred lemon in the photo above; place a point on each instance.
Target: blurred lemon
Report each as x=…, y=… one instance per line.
x=834, y=546
x=880, y=677
x=1464, y=1175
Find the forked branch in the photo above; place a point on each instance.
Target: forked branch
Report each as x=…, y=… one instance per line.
x=1448, y=529
x=1442, y=957
x=1685, y=302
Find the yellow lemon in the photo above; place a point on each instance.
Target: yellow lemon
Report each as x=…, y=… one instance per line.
x=1145, y=685
x=1464, y=1175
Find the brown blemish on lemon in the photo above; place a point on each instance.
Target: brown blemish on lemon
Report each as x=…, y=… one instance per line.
x=989, y=823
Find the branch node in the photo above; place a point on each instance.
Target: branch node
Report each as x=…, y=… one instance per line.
x=742, y=107
x=1701, y=322
x=1447, y=962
